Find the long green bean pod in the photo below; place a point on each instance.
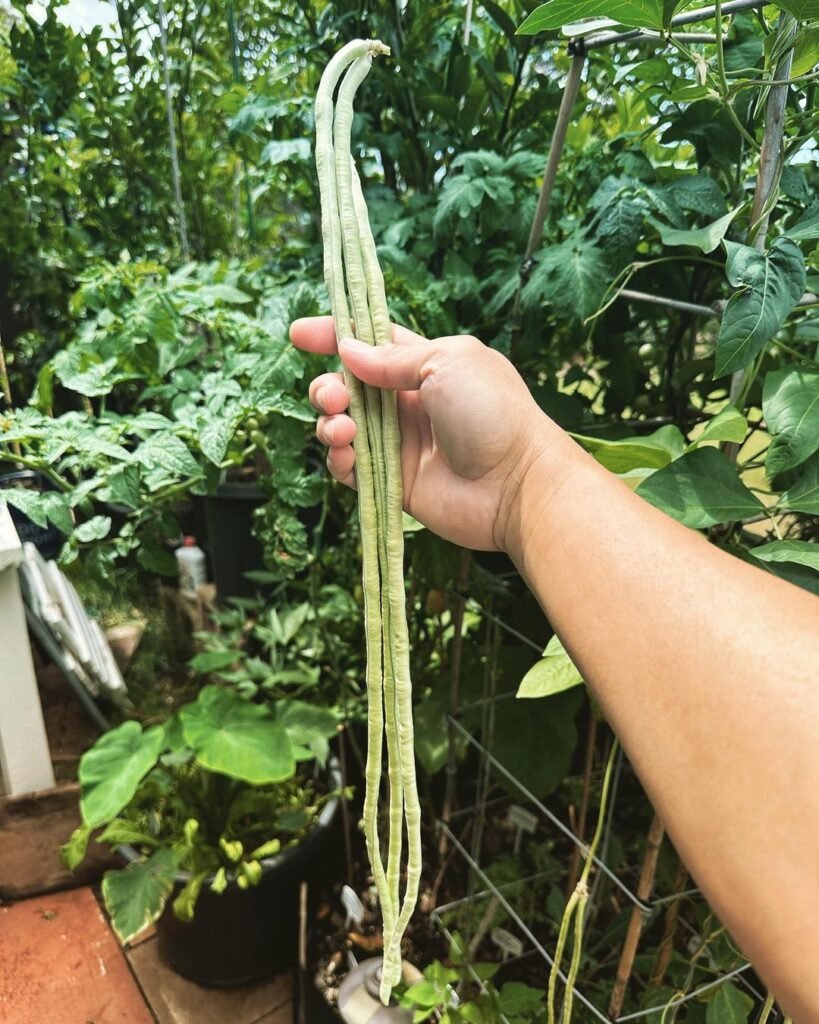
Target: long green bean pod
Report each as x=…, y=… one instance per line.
x=334, y=279
x=347, y=233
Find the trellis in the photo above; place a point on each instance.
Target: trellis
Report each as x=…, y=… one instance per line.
x=481, y=885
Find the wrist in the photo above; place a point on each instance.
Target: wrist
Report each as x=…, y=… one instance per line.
x=538, y=474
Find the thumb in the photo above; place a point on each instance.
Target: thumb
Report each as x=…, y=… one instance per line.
x=395, y=367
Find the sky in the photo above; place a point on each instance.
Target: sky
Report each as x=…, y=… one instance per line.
x=81, y=15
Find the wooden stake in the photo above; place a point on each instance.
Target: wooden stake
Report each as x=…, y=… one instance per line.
x=635, y=926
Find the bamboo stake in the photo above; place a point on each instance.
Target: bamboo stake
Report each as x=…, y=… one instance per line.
x=177, y=182
x=672, y=915
x=635, y=926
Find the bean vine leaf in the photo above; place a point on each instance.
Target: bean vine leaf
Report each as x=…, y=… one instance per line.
x=728, y=425
x=803, y=495
x=800, y=552
x=729, y=1006
x=770, y=285
x=701, y=489
x=706, y=239
x=790, y=404
x=557, y=13
x=802, y=10
x=554, y=673
x=627, y=454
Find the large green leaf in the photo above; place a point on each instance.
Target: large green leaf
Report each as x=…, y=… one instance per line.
x=700, y=489
x=545, y=726
x=770, y=285
x=232, y=736
x=111, y=771
x=554, y=673
x=803, y=496
x=619, y=229
x=800, y=552
x=790, y=404
x=136, y=896
x=572, y=276
x=557, y=13
x=168, y=453
x=807, y=228
x=306, y=723
x=802, y=10
x=622, y=456
x=728, y=425
x=729, y=1006
x=705, y=239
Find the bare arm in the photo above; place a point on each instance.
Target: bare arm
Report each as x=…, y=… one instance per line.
x=706, y=667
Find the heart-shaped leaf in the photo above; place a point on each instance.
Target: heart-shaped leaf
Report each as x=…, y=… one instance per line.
x=113, y=768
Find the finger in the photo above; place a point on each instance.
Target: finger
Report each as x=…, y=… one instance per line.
x=397, y=367
x=341, y=463
x=328, y=393
x=404, y=336
x=335, y=431
x=314, y=334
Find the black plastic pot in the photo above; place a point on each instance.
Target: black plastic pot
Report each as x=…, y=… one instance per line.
x=47, y=539
x=244, y=935
x=232, y=548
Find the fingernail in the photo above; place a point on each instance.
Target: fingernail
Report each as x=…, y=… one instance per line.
x=353, y=344
x=321, y=395
x=330, y=431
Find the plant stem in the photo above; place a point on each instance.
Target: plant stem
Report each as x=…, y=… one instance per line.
x=588, y=765
x=175, y=175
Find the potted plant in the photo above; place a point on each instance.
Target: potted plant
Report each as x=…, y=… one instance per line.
x=219, y=814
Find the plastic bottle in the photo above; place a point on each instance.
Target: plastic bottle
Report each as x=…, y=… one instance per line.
x=193, y=570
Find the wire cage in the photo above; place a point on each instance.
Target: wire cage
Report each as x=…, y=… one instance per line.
x=514, y=915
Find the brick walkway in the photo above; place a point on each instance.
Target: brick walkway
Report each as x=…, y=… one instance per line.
x=60, y=963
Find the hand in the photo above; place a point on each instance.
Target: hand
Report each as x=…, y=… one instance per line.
x=470, y=430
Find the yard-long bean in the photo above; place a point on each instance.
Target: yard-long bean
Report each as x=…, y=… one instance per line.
x=355, y=284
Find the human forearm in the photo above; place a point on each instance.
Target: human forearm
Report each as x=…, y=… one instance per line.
x=705, y=667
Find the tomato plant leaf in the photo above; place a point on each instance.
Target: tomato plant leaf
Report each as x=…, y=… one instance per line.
x=790, y=404
x=700, y=489
x=770, y=285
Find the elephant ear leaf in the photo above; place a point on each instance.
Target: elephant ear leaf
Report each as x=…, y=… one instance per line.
x=111, y=771
x=136, y=896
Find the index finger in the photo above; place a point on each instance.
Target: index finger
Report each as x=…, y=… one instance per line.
x=317, y=334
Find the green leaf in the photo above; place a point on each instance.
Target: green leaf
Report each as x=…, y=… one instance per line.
x=239, y=739
x=212, y=661
x=557, y=13
x=515, y=997
x=800, y=552
x=619, y=229
x=790, y=404
x=185, y=903
x=278, y=152
x=168, y=453
x=306, y=723
x=73, y=852
x=729, y=1006
x=96, y=528
x=216, y=435
x=41, y=507
x=546, y=726
x=120, y=831
x=803, y=496
x=728, y=425
x=802, y=10
x=770, y=285
x=705, y=239
x=136, y=896
x=572, y=276
x=554, y=673
x=700, y=489
x=111, y=771
x=808, y=227
x=622, y=456
x=805, y=52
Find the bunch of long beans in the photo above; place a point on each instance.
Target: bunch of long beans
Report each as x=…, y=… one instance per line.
x=356, y=286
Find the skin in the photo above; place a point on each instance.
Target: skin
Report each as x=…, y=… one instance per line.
x=705, y=666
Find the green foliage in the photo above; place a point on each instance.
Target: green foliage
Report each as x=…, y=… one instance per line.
x=213, y=793
x=554, y=673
